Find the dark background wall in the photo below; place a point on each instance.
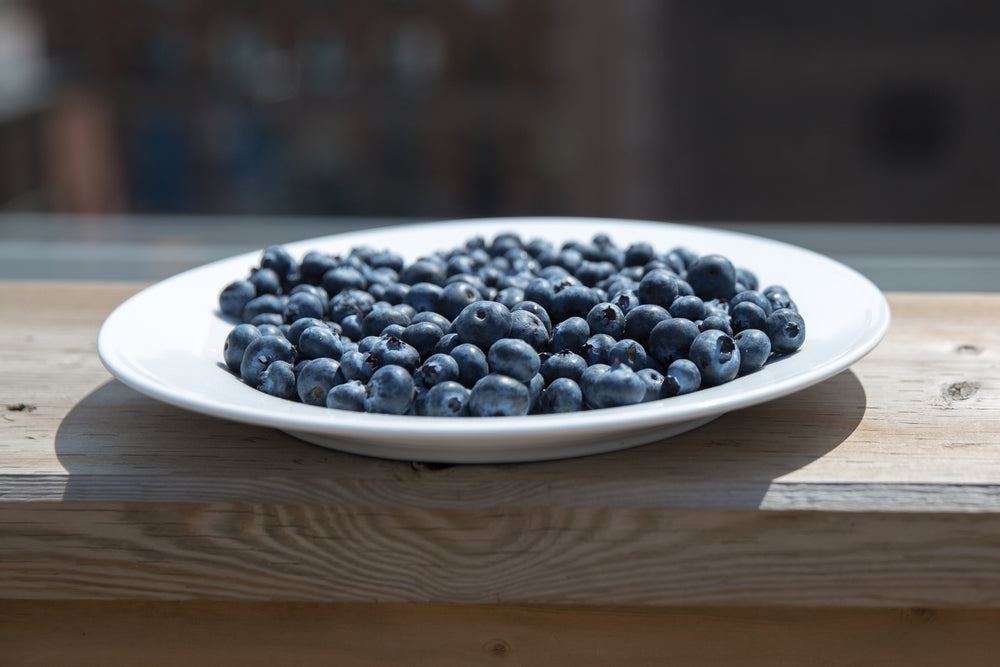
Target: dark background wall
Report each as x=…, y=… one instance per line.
x=719, y=110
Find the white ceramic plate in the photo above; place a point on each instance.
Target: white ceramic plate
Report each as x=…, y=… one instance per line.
x=167, y=342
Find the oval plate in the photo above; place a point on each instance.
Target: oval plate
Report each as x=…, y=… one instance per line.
x=167, y=342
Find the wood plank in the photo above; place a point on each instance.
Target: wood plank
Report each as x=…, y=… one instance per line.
x=152, y=634
x=511, y=555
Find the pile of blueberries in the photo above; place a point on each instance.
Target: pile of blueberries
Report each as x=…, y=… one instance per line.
x=501, y=327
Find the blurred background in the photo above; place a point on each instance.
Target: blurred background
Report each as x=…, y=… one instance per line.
x=711, y=112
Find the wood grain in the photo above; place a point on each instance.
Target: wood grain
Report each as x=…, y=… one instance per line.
x=108, y=634
x=504, y=556
x=877, y=488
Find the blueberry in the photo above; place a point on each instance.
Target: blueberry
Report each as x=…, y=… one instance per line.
x=390, y=391
x=390, y=350
x=320, y=341
x=423, y=336
x=459, y=265
x=621, y=285
x=483, y=323
x=597, y=349
x=314, y=265
x=234, y=298
x=778, y=297
x=278, y=259
x=265, y=303
x=540, y=291
x=513, y=357
x=343, y=277
x=786, y=329
x=387, y=259
x=424, y=297
x=437, y=369
x=447, y=343
x=638, y=254
x=536, y=247
x=589, y=376
x=303, y=304
x=510, y=296
x=383, y=279
x=569, y=258
x=606, y=318
x=554, y=274
x=682, y=377
x=671, y=339
x=356, y=365
x=658, y=287
x=626, y=298
x=747, y=315
x=472, y=363
x=570, y=334
x=653, y=381
x=535, y=386
x=407, y=310
x=683, y=288
x=395, y=293
x=351, y=327
x=268, y=329
x=349, y=302
x=561, y=395
x=590, y=273
x=365, y=344
x=316, y=378
x=267, y=318
x=499, y=396
x=236, y=344
x=753, y=296
x=446, y=399
x=716, y=321
x=424, y=270
x=563, y=364
x=392, y=330
x=639, y=321
x=717, y=357
x=278, y=379
x=746, y=278
x=266, y=281
x=521, y=261
x=712, y=277
x=347, y=396
x=315, y=290
x=629, y=352
x=689, y=307
x=618, y=386
x=455, y=296
x=379, y=318
x=260, y=353
x=440, y=320
x=526, y=326
x=504, y=242
x=296, y=328
x=755, y=348
x=572, y=301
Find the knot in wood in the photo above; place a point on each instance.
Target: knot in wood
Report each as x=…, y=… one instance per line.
x=961, y=391
x=498, y=648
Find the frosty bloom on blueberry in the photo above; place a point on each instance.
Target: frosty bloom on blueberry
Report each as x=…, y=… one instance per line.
x=502, y=327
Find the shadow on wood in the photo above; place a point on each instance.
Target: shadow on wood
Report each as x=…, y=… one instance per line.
x=115, y=436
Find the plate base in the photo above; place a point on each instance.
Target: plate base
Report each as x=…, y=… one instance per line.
x=493, y=451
